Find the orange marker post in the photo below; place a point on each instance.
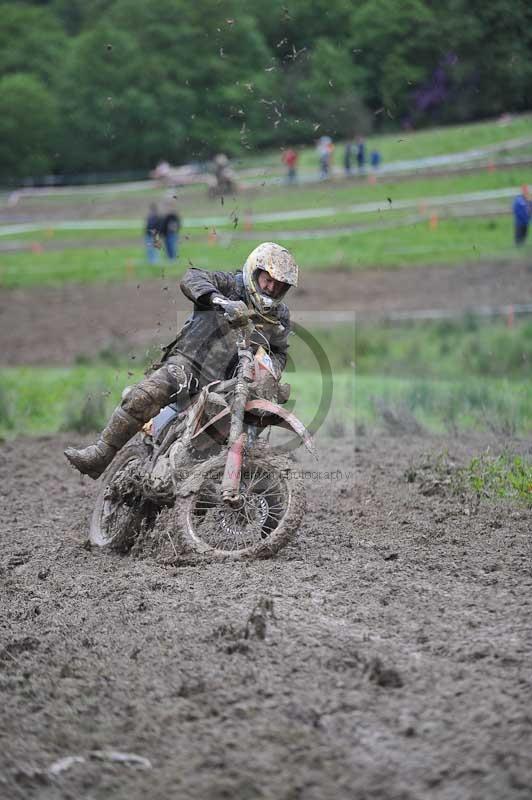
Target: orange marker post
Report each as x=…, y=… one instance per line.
x=433, y=221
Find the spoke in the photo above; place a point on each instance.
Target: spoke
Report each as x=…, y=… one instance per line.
x=276, y=506
x=250, y=484
x=257, y=468
x=228, y=528
x=266, y=490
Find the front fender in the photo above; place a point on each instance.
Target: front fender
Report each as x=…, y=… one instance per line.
x=289, y=420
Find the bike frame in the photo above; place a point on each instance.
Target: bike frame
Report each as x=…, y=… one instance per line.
x=189, y=429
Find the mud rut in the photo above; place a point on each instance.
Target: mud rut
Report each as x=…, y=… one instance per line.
x=385, y=654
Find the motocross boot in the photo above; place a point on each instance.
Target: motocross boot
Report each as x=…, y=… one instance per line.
x=139, y=404
x=94, y=459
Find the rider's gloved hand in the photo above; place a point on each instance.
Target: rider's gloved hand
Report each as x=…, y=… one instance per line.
x=235, y=312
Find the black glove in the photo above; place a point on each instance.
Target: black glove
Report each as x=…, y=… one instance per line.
x=235, y=312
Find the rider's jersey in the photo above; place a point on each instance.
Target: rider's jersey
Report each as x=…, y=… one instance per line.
x=206, y=339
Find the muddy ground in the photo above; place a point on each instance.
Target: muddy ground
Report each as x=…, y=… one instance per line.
x=56, y=325
x=395, y=663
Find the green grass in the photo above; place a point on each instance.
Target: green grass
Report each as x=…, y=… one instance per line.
x=450, y=349
x=453, y=242
x=340, y=193
x=498, y=405
x=436, y=141
x=339, y=196
x=37, y=401
x=415, y=144
x=335, y=194
x=41, y=400
x=507, y=476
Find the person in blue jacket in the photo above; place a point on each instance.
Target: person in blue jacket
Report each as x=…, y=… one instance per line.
x=522, y=210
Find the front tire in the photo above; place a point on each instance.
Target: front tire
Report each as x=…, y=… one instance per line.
x=266, y=519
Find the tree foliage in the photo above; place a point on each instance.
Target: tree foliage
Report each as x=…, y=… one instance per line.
x=28, y=125
x=120, y=84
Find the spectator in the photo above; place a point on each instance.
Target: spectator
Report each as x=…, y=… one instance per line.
x=151, y=235
x=325, y=149
x=361, y=153
x=522, y=210
x=289, y=159
x=348, y=155
x=170, y=227
x=375, y=159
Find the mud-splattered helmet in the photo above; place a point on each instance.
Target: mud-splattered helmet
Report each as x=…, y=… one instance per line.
x=280, y=265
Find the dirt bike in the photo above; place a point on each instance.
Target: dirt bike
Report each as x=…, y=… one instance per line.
x=228, y=493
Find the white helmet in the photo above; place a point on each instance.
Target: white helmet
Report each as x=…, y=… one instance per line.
x=280, y=265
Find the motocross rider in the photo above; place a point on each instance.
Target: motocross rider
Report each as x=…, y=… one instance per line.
x=205, y=348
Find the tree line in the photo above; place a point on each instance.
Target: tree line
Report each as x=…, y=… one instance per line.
x=101, y=85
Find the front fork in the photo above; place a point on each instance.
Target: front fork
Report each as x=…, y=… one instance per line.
x=237, y=437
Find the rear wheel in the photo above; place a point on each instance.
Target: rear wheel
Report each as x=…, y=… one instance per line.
x=264, y=519
x=120, y=511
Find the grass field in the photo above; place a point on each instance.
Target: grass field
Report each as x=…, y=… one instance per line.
x=454, y=241
x=419, y=144
x=338, y=194
x=41, y=401
x=334, y=203
x=448, y=375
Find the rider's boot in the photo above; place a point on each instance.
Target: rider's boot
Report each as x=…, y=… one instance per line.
x=94, y=459
x=139, y=404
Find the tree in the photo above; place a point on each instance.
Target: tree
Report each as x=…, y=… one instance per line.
x=173, y=80
x=31, y=41
x=326, y=94
x=491, y=45
x=28, y=123
x=396, y=42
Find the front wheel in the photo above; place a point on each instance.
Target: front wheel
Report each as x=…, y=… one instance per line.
x=265, y=518
x=118, y=512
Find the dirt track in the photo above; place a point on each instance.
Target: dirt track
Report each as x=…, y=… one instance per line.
x=54, y=325
x=396, y=662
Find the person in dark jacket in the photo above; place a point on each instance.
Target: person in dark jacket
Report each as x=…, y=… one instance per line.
x=170, y=227
x=522, y=210
x=205, y=349
x=151, y=234
x=348, y=157
x=361, y=154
